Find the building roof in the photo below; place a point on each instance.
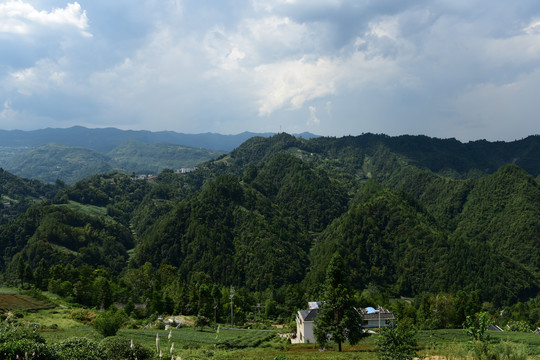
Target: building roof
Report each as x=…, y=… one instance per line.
x=314, y=305
x=494, y=327
x=380, y=313
x=308, y=315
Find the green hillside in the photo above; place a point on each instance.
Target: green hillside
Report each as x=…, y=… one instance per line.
x=50, y=162
x=267, y=217
x=70, y=164
x=139, y=157
x=18, y=194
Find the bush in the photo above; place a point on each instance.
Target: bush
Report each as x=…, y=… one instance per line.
x=83, y=315
x=24, y=349
x=520, y=325
x=281, y=357
x=159, y=325
x=109, y=322
x=140, y=313
x=14, y=333
x=396, y=343
x=511, y=351
x=117, y=348
x=201, y=322
x=80, y=349
x=482, y=350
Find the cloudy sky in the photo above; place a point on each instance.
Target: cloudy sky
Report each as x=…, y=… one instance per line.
x=468, y=69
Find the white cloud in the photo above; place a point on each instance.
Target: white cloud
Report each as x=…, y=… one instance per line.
x=386, y=27
x=18, y=17
x=46, y=75
x=382, y=66
x=533, y=27
x=291, y=83
x=313, y=119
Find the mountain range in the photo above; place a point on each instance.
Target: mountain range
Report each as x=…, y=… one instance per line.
x=74, y=153
x=408, y=214
x=104, y=140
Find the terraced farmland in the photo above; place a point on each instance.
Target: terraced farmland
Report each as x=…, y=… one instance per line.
x=21, y=302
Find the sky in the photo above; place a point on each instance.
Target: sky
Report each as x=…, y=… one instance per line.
x=465, y=69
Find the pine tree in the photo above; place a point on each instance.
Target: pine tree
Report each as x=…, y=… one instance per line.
x=337, y=318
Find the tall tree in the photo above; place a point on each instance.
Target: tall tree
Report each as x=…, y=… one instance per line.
x=337, y=318
x=20, y=271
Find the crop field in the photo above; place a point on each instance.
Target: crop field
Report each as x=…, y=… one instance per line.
x=21, y=302
x=91, y=210
x=57, y=324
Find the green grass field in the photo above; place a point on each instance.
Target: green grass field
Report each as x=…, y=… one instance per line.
x=56, y=325
x=91, y=210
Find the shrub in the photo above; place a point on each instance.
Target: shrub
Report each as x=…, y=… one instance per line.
x=475, y=326
x=482, y=350
x=129, y=307
x=159, y=325
x=24, y=349
x=140, y=313
x=80, y=349
x=109, y=322
x=201, y=322
x=281, y=357
x=396, y=343
x=14, y=333
x=83, y=315
x=511, y=351
x=117, y=348
x=520, y=325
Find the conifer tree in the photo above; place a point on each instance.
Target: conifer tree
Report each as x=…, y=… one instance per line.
x=337, y=318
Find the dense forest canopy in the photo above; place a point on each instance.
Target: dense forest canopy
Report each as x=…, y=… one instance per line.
x=410, y=216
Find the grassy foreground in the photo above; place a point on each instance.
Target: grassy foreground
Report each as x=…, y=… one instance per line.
x=250, y=344
x=56, y=325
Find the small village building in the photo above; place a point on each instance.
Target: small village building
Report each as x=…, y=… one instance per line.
x=184, y=170
x=494, y=327
x=377, y=318
x=305, y=321
x=305, y=324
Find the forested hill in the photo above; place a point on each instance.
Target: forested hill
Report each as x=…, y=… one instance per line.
x=270, y=214
x=17, y=194
x=73, y=163
x=355, y=154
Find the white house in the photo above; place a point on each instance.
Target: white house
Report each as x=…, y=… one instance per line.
x=372, y=318
x=305, y=325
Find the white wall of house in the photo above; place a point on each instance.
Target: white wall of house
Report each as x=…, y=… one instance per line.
x=304, y=331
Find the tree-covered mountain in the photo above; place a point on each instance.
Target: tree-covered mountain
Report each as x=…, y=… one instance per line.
x=53, y=161
x=133, y=156
x=70, y=163
x=18, y=194
x=270, y=214
x=447, y=157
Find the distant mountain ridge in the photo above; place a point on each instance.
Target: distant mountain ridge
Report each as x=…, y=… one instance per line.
x=448, y=157
x=105, y=139
x=73, y=163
